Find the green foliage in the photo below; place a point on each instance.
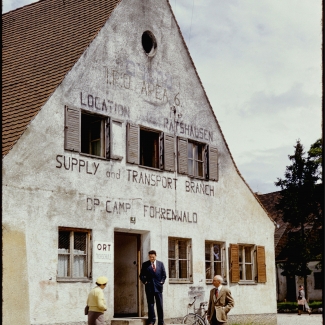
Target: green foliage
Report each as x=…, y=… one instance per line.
x=293, y=306
x=301, y=205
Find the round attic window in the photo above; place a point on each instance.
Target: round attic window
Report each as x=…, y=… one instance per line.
x=149, y=43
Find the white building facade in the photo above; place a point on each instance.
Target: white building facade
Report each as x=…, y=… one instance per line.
x=125, y=156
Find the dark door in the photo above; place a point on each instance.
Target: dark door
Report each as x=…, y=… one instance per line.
x=126, y=274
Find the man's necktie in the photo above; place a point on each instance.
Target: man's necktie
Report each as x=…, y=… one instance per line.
x=217, y=292
x=153, y=267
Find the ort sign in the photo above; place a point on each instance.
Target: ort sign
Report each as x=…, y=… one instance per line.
x=103, y=252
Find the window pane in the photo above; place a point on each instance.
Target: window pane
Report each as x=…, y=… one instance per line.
x=183, y=269
x=199, y=156
x=200, y=169
x=172, y=268
x=240, y=253
x=249, y=272
x=195, y=153
x=207, y=252
x=182, y=250
x=64, y=256
x=216, y=252
x=190, y=150
x=248, y=256
x=217, y=268
x=95, y=148
x=92, y=135
x=190, y=167
x=208, y=270
x=171, y=248
x=80, y=240
x=79, y=265
x=149, y=148
x=64, y=240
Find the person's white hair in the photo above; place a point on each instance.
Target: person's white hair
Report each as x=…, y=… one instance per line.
x=219, y=277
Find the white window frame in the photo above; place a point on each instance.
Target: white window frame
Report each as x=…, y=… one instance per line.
x=222, y=251
x=243, y=263
x=65, y=256
x=173, y=275
x=194, y=161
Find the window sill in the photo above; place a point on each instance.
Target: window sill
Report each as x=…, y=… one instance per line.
x=249, y=282
x=176, y=281
x=92, y=156
x=151, y=168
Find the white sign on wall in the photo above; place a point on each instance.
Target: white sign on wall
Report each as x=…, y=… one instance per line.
x=103, y=252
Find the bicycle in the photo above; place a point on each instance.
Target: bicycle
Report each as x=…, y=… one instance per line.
x=199, y=317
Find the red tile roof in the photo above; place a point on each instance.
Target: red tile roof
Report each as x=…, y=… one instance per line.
x=40, y=44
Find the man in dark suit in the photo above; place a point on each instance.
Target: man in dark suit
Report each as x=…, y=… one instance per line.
x=153, y=276
x=220, y=302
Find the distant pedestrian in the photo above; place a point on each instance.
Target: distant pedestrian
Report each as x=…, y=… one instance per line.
x=96, y=302
x=153, y=276
x=220, y=302
x=302, y=302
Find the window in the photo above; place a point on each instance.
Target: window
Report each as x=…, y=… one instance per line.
x=92, y=134
x=150, y=148
x=247, y=263
x=195, y=156
x=179, y=260
x=214, y=260
x=197, y=160
x=74, y=254
x=318, y=280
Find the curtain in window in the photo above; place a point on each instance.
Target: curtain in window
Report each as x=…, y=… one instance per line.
x=63, y=264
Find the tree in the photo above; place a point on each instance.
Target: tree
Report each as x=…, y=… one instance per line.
x=301, y=207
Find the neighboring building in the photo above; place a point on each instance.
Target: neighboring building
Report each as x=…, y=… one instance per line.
x=287, y=286
x=111, y=148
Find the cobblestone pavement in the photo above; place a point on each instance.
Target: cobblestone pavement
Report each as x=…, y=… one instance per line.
x=295, y=319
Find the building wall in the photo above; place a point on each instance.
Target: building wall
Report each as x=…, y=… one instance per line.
x=313, y=293
x=45, y=186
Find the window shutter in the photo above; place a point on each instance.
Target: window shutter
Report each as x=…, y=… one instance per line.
x=133, y=144
x=261, y=267
x=182, y=156
x=213, y=163
x=72, y=129
x=169, y=152
x=107, y=139
x=161, y=150
x=234, y=263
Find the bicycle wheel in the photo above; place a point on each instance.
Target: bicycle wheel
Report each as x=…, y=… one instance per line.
x=193, y=319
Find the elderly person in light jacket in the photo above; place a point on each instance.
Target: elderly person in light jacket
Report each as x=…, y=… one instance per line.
x=302, y=302
x=96, y=303
x=220, y=302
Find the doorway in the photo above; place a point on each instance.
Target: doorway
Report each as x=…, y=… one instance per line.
x=126, y=274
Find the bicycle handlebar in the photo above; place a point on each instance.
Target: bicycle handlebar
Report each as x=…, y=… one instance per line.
x=191, y=304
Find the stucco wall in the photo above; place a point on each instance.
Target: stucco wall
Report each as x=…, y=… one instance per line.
x=43, y=188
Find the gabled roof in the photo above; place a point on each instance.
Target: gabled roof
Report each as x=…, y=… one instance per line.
x=40, y=44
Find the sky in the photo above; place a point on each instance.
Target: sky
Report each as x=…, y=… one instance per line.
x=260, y=62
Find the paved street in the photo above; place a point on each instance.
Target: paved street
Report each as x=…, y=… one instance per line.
x=304, y=319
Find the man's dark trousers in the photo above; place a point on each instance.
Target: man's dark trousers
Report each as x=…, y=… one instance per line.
x=151, y=297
